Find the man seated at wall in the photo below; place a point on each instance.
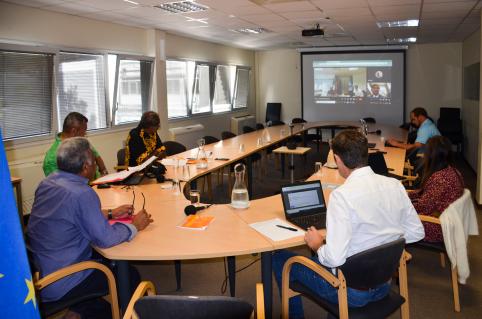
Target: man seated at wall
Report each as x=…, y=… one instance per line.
x=75, y=124
x=368, y=210
x=426, y=129
x=65, y=222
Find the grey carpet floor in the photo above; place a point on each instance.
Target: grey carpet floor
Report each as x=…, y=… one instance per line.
x=429, y=284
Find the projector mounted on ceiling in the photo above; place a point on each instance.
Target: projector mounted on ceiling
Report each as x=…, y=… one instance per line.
x=316, y=32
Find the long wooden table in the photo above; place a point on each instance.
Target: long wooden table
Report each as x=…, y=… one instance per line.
x=229, y=235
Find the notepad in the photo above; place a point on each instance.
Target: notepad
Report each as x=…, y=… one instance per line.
x=269, y=229
x=125, y=220
x=196, y=222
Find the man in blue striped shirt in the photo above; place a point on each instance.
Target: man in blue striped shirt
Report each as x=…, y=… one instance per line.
x=67, y=219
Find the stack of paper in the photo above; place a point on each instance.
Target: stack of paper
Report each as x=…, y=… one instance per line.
x=120, y=176
x=271, y=229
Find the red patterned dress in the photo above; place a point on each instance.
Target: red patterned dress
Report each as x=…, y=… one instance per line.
x=441, y=190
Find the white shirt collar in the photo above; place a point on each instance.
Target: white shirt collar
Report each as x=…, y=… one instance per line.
x=359, y=172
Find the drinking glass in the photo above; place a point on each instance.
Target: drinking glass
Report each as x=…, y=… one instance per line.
x=176, y=187
x=259, y=142
x=194, y=197
x=241, y=148
x=318, y=167
x=282, y=133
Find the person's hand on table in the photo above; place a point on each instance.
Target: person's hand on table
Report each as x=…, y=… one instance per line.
x=393, y=142
x=314, y=238
x=142, y=219
x=122, y=211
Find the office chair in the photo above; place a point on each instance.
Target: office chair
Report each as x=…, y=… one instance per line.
x=450, y=126
x=210, y=139
x=259, y=126
x=227, y=134
x=248, y=129
x=50, y=308
x=463, y=206
x=121, y=160
x=173, y=148
x=273, y=112
x=369, y=119
x=366, y=269
x=189, y=307
x=307, y=136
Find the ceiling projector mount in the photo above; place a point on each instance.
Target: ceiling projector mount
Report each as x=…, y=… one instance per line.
x=316, y=32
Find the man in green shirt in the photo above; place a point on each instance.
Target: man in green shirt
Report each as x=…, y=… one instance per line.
x=75, y=124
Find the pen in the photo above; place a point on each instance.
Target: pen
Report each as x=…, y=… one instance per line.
x=286, y=227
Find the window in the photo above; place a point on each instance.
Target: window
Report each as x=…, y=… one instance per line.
x=223, y=88
x=25, y=94
x=242, y=88
x=179, y=78
x=201, y=100
x=203, y=88
x=81, y=88
x=133, y=90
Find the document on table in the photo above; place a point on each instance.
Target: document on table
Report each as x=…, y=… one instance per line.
x=270, y=229
x=120, y=176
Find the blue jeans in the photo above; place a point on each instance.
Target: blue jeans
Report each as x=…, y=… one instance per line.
x=356, y=298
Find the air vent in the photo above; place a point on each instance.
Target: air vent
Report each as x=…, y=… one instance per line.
x=252, y=30
x=181, y=7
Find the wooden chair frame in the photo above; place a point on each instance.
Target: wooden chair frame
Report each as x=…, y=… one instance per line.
x=454, y=276
x=338, y=282
x=85, y=265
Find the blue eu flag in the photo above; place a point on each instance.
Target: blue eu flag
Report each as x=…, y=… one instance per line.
x=16, y=286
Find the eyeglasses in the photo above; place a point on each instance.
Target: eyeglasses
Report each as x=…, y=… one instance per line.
x=134, y=199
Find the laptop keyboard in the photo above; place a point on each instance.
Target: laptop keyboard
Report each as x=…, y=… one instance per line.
x=318, y=220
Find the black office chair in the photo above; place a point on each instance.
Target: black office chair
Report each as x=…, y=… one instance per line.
x=259, y=126
x=173, y=148
x=227, y=134
x=248, y=129
x=190, y=307
x=369, y=119
x=210, y=139
x=364, y=270
x=450, y=126
x=273, y=112
x=308, y=136
x=274, y=123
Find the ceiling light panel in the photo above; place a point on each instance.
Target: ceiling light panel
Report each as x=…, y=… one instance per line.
x=398, y=24
x=181, y=7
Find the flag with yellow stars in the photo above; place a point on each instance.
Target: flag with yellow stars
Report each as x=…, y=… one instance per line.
x=17, y=294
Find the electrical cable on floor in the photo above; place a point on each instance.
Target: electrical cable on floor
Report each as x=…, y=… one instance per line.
x=224, y=285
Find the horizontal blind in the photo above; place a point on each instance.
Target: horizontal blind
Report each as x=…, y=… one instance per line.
x=81, y=88
x=242, y=88
x=25, y=94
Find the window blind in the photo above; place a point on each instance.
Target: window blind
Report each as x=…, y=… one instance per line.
x=25, y=94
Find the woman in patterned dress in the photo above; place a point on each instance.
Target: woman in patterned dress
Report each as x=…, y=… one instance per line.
x=442, y=184
x=143, y=141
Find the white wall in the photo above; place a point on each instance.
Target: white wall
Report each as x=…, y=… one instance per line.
x=470, y=108
x=34, y=26
x=278, y=80
x=433, y=77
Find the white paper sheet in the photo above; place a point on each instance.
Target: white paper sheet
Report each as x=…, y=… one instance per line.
x=270, y=229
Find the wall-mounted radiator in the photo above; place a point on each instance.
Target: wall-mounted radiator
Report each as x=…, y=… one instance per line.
x=238, y=122
x=187, y=135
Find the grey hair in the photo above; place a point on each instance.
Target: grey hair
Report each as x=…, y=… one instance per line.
x=73, y=153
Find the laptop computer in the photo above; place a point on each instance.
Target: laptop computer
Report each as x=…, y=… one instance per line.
x=377, y=162
x=304, y=204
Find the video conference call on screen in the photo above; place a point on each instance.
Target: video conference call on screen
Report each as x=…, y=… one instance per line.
x=351, y=82
x=348, y=86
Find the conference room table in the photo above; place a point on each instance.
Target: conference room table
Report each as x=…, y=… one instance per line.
x=230, y=233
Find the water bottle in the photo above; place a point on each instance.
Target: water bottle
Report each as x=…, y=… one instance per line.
x=202, y=161
x=239, y=194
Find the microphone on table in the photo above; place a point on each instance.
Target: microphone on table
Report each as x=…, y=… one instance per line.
x=378, y=132
x=191, y=209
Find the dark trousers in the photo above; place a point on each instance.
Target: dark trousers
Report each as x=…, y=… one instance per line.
x=94, y=283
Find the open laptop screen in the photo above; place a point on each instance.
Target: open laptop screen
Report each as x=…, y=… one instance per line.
x=306, y=196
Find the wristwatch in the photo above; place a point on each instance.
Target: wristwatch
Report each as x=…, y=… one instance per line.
x=109, y=214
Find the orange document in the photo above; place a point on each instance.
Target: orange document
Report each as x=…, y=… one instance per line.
x=196, y=222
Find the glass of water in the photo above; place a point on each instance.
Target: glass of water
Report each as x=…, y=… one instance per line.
x=318, y=167
x=176, y=187
x=194, y=197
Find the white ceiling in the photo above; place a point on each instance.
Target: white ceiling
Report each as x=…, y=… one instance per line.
x=346, y=22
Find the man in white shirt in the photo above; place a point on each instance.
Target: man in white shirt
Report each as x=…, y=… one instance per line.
x=368, y=210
